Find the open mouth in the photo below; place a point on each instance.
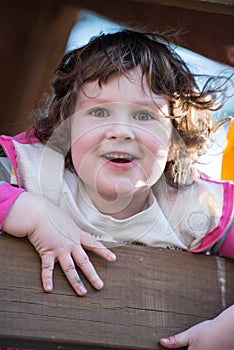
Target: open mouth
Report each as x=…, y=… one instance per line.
x=119, y=158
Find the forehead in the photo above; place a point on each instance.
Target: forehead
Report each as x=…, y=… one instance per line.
x=127, y=89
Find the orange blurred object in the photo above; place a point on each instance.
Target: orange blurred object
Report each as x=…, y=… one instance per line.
x=227, y=172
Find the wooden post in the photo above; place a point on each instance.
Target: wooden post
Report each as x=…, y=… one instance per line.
x=33, y=38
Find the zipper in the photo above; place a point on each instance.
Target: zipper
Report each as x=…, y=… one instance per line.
x=9, y=150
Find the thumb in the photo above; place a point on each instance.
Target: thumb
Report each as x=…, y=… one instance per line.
x=176, y=341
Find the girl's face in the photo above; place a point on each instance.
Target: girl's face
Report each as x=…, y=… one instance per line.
x=120, y=138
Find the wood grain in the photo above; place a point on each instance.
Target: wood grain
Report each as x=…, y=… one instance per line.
x=149, y=293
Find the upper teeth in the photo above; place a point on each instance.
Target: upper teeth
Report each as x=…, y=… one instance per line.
x=118, y=156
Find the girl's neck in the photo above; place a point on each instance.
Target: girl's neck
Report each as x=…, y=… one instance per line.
x=121, y=207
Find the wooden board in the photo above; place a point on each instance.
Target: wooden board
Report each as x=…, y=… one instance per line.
x=149, y=293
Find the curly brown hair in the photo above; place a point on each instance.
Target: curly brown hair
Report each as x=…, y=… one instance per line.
x=165, y=73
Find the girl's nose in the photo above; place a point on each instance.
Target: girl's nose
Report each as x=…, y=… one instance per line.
x=117, y=130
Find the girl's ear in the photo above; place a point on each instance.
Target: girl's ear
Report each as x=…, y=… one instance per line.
x=170, y=155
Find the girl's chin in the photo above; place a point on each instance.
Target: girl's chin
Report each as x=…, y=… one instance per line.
x=111, y=205
x=123, y=189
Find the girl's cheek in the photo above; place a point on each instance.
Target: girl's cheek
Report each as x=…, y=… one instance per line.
x=76, y=156
x=158, y=148
x=157, y=137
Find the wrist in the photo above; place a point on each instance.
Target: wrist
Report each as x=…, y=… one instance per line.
x=23, y=215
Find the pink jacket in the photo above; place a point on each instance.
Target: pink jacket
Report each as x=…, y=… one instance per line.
x=220, y=240
x=8, y=193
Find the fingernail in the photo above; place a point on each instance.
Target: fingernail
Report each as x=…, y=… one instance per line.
x=112, y=256
x=166, y=340
x=171, y=340
x=49, y=287
x=99, y=284
x=83, y=290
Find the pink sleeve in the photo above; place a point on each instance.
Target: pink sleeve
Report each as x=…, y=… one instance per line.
x=227, y=248
x=8, y=195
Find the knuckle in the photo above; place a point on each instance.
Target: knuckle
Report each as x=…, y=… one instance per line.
x=69, y=269
x=47, y=266
x=84, y=260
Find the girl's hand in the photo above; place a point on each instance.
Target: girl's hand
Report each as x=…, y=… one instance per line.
x=56, y=237
x=213, y=334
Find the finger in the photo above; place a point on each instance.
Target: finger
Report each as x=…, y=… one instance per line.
x=82, y=260
x=47, y=268
x=90, y=243
x=176, y=341
x=68, y=267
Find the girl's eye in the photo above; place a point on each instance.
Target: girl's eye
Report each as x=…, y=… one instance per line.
x=144, y=116
x=99, y=112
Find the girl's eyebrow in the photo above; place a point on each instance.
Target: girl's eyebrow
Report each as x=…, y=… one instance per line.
x=147, y=103
x=150, y=103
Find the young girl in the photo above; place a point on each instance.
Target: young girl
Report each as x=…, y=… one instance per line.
x=111, y=159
